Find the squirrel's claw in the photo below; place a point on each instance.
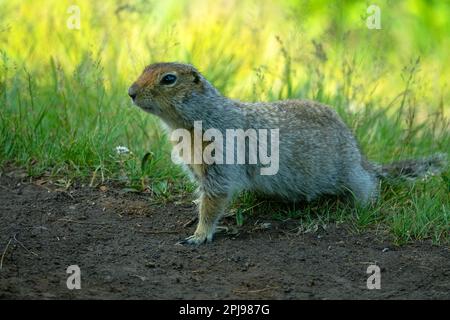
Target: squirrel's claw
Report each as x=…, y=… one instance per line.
x=195, y=239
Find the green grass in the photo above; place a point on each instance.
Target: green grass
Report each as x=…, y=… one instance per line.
x=64, y=107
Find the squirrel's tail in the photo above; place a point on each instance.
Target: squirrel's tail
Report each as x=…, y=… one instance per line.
x=414, y=168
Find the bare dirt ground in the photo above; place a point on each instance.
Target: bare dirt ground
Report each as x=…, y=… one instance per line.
x=126, y=248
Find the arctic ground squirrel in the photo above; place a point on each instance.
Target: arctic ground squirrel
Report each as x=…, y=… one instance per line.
x=317, y=153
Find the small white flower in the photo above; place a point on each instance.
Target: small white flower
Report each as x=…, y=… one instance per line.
x=122, y=150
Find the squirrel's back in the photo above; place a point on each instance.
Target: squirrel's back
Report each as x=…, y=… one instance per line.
x=318, y=154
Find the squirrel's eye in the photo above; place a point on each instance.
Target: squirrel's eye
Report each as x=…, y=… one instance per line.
x=168, y=79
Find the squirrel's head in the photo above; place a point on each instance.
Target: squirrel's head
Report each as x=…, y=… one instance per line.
x=165, y=88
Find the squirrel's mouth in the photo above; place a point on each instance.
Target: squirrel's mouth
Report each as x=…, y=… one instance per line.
x=146, y=105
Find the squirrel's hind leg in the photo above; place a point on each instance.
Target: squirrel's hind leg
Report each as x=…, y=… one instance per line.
x=363, y=185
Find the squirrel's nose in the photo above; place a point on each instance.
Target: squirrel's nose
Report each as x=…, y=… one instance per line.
x=132, y=91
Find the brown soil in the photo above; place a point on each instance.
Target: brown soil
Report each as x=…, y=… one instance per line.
x=126, y=248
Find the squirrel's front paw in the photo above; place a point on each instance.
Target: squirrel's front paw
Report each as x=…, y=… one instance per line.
x=198, y=238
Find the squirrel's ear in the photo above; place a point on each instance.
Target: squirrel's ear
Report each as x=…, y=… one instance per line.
x=196, y=77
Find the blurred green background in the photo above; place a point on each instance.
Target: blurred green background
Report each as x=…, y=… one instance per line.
x=63, y=89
